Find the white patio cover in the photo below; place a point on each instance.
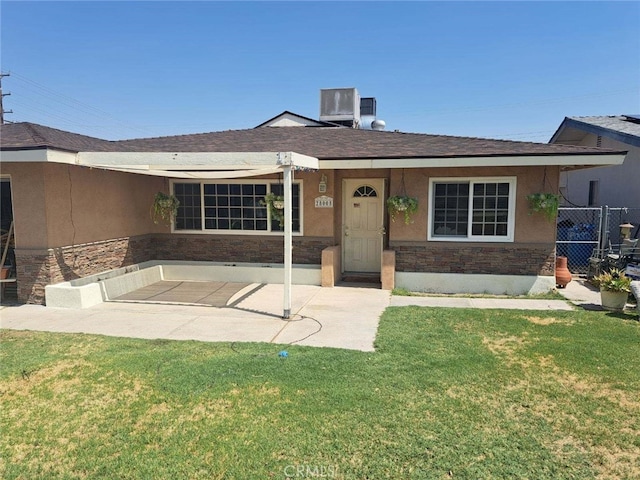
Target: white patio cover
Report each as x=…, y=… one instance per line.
x=208, y=165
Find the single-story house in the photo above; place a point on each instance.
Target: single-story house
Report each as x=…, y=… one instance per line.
x=615, y=186
x=81, y=205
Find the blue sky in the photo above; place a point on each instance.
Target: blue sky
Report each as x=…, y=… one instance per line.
x=508, y=70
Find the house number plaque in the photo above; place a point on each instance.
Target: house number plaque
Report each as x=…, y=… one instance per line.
x=324, y=202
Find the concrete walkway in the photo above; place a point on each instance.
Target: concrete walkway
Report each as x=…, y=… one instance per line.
x=340, y=317
x=582, y=294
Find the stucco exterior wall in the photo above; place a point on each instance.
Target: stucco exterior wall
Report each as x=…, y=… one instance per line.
x=531, y=253
x=88, y=205
x=318, y=222
x=618, y=184
x=29, y=200
x=56, y=205
x=72, y=221
x=528, y=228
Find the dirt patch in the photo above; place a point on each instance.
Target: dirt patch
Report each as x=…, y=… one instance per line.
x=542, y=321
x=504, y=346
x=548, y=320
x=57, y=376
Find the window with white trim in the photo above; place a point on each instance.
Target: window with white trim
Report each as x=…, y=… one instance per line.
x=225, y=207
x=472, y=209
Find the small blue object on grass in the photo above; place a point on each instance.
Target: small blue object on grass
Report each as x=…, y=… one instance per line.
x=283, y=354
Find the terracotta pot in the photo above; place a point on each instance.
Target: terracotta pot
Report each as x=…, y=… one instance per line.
x=563, y=275
x=5, y=273
x=614, y=301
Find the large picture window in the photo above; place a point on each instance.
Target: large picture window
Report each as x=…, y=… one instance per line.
x=230, y=207
x=481, y=209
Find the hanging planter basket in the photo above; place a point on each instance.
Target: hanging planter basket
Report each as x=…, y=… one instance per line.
x=275, y=205
x=164, y=208
x=545, y=203
x=402, y=204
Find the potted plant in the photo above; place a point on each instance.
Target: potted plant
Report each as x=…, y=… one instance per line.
x=275, y=204
x=164, y=208
x=402, y=203
x=615, y=287
x=545, y=203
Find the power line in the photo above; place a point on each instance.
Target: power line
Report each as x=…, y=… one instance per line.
x=73, y=104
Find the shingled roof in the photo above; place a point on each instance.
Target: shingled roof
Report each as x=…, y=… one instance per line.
x=25, y=135
x=325, y=143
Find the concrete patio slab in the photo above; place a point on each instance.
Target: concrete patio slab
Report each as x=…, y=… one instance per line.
x=215, y=294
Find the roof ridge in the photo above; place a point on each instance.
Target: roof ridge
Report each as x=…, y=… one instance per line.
x=33, y=133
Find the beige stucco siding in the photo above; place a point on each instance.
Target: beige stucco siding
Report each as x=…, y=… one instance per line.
x=88, y=205
x=57, y=205
x=528, y=228
x=318, y=222
x=28, y=192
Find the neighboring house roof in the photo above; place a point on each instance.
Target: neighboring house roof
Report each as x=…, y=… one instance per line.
x=321, y=143
x=290, y=119
x=25, y=135
x=623, y=128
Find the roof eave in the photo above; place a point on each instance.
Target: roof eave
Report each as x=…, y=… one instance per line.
x=586, y=127
x=37, y=154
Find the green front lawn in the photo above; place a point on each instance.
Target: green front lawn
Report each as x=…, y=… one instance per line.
x=449, y=393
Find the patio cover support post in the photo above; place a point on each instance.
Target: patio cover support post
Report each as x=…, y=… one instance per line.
x=287, y=174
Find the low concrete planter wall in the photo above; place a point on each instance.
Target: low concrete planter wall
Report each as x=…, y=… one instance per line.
x=89, y=291
x=473, y=283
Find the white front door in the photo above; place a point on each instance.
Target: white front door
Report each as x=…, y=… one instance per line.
x=363, y=224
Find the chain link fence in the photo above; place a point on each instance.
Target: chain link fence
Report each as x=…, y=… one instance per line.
x=620, y=216
x=588, y=234
x=579, y=234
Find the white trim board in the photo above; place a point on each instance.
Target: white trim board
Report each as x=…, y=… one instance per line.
x=152, y=163
x=502, y=161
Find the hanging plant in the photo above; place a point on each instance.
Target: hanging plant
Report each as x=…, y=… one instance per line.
x=402, y=203
x=164, y=208
x=545, y=203
x=275, y=204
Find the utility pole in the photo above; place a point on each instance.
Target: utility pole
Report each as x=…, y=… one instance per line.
x=2, y=95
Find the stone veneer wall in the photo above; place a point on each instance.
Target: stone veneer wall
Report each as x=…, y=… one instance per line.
x=36, y=269
x=496, y=259
x=235, y=248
